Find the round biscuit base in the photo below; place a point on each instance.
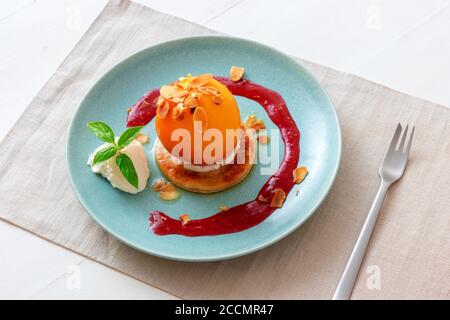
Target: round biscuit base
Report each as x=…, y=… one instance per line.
x=205, y=182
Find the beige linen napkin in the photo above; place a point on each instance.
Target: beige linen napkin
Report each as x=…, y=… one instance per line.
x=410, y=247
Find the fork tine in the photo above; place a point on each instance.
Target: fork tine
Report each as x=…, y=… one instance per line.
x=402, y=143
x=408, y=146
x=395, y=138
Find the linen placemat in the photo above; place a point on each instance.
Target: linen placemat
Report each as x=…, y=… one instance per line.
x=410, y=247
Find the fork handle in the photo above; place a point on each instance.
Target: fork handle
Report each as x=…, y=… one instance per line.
x=348, y=278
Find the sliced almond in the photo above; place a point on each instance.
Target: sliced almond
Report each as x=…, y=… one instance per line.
x=184, y=219
x=158, y=184
x=253, y=122
x=201, y=80
x=211, y=90
x=177, y=100
x=250, y=120
x=191, y=102
x=142, y=138
x=278, y=198
x=259, y=125
x=181, y=94
x=178, y=112
x=168, y=92
x=163, y=110
x=180, y=84
x=184, y=81
x=200, y=115
x=160, y=101
x=216, y=99
x=261, y=198
x=196, y=92
x=263, y=139
x=300, y=174
x=224, y=208
x=168, y=192
x=236, y=73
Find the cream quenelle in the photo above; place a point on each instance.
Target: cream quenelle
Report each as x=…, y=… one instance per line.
x=121, y=160
x=110, y=170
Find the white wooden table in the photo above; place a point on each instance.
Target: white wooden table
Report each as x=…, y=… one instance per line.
x=402, y=44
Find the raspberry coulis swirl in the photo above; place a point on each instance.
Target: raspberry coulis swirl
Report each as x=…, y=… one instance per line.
x=248, y=214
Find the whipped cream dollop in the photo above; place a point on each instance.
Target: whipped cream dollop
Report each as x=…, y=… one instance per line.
x=109, y=169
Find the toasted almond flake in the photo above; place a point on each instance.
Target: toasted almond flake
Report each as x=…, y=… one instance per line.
x=299, y=174
x=201, y=80
x=168, y=187
x=142, y=138
x=178, y=112
x=163, y=110
x=211, y=90
x=181, y=94
x=200, y=115
x=184, y=219
x=197, y=91
x=184, y=80
x=168, y=92
x=278, y=198
x=191, y=102
x=250, y=119
x=160, y=101
x=224, y=208
x=177, y=100
x=169, y=196
x=216, y=100
x=259, y=125
x=253, y=122
x=158, y=184
x=261, y=198
x=236, y=73
x=168, y=192
x=263, y=139
x=202, y=90
x=186, y=91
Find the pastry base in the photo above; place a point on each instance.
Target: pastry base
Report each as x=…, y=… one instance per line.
x=205, y=182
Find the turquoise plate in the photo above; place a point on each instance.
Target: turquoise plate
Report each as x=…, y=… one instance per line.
x=126, y=216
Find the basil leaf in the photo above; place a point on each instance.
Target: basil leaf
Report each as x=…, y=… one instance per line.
x=126, y=166
x=102, y=131
x=128, y=136
x=104, y=155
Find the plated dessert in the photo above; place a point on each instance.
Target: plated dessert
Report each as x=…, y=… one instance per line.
x=168, y=220
x=204, y=146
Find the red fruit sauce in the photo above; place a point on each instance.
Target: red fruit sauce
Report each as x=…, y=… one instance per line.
x=249, y=214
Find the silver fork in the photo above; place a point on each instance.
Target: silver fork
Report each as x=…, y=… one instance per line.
x=391, y=170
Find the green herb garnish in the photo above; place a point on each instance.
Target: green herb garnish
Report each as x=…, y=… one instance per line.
x=127, y=168
x=105, y=154
x=102, y=131
x=105, y=133
x=128, y=136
